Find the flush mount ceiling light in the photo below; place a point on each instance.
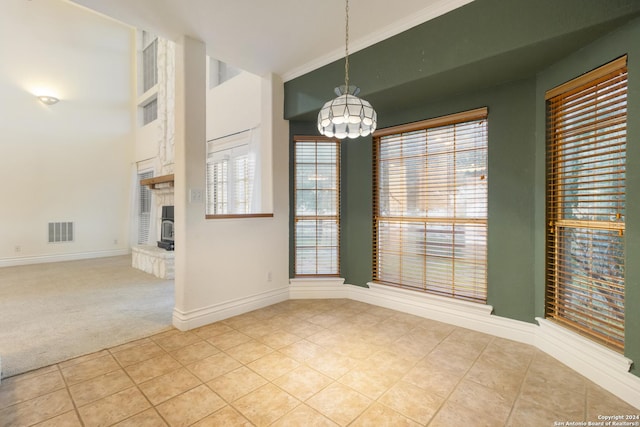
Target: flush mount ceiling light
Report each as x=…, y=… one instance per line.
x=48, y=100
x=347, y=115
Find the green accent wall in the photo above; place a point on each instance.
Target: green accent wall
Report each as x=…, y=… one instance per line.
x=482, y=44
x=356, y=239
x=503, y=55
x=511, y=177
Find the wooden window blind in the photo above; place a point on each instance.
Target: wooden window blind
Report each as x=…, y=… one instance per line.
x=317, y=206
x=586, y=151
x=430, y=206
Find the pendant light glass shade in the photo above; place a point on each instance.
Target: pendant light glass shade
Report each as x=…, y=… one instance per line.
x=347, y=116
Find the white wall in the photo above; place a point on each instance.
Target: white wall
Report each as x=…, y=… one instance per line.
x=69, y=161
x=234, y=106
x=223, y=265
x=146, y=145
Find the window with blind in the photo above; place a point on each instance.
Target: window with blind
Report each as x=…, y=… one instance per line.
x=317, y=206
x=144, y=208
x=150, y=111
x=229, y=182
x=232, y=167
x=430, y=206
x=149, y=60
x=586, y=151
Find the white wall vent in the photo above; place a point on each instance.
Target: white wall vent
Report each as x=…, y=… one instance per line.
x=60, y=232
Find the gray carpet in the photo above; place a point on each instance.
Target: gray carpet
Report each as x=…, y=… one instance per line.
x=53, y=312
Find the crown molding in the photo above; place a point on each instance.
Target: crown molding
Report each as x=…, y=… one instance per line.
x=434, y=10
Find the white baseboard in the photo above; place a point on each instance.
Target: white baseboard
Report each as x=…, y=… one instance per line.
x=604, y=367
x=41, y=259
x=461, y=313
x=318, y=287
x=186, y=320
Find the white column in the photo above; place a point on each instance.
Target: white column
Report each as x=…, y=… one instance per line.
x=190, y=152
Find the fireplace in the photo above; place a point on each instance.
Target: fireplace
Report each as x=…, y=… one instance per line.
x=166, y=229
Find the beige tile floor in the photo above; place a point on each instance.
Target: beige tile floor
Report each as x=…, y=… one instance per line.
x=309, y=363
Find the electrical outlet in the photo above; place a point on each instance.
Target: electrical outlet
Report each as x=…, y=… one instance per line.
x=115, y=241
x=18, y=249
x=269, y=276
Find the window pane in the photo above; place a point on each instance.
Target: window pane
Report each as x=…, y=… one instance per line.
x=431, y=200
x=316, y=207
x=306, y=233
x=150, y=112
x=325, y=176
x=149, y=65
x=316, y=247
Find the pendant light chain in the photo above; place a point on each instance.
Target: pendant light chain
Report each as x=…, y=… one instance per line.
x=347, y=116
x=346, y=48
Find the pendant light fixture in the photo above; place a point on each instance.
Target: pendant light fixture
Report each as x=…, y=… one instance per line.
x=347, y=115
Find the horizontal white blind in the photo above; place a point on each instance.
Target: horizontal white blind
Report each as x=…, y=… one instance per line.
x=243, y=176
x=233, y=178
x=144, y=208
x=317, y=206
x=586, y=154
x=430, y=207
x=217, y=187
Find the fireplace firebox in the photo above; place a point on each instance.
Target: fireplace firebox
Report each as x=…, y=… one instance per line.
x=166, y=229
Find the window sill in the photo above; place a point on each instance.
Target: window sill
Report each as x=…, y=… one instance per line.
x=581, y=348
x=238, y=216
x=317, y=280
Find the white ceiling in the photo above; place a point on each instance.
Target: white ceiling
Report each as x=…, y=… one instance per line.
x=286, y=37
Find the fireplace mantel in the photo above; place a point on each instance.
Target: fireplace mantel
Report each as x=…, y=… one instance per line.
x=154, y=182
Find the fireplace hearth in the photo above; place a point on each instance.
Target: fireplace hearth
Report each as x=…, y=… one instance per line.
x=166, y=229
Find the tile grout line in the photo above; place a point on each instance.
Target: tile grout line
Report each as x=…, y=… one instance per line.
x=68, y=389
x=466, y=372
x=520, y=388
x=135, y=384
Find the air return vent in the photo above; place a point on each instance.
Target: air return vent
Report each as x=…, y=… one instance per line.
x=60, y=232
